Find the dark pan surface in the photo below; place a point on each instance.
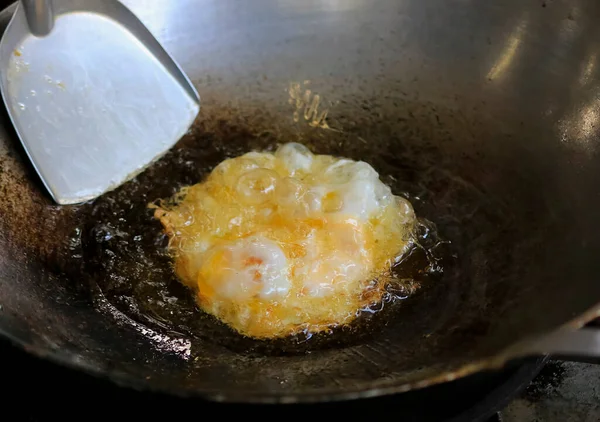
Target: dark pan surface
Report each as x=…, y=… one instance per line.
x=499, y=162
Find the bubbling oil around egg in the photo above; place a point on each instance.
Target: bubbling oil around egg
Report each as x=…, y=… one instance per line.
x=279, y=243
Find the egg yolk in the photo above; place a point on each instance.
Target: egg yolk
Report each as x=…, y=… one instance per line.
x=278, y=243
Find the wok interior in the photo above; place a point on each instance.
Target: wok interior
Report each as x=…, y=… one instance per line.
x=493, y=143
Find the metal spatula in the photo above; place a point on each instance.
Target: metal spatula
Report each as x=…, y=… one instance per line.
x=92, y=95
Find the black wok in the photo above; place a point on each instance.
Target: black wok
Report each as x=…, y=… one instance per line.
x=483, y=113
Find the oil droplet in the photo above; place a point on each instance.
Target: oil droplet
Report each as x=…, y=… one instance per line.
x=21, y=106
x=48, y=79
x=33, y=93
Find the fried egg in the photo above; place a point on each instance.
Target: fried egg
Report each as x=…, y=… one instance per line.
x=278, y=243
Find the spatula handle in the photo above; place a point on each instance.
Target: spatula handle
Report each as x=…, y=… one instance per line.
x=581, y=345
x=40, y=16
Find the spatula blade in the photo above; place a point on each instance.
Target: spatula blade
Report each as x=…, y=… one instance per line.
x=96, y=100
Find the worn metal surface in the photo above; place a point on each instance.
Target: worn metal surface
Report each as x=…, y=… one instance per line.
x=562, y=392
x=485, y=111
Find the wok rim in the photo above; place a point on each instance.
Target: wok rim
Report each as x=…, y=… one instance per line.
x=387, y=387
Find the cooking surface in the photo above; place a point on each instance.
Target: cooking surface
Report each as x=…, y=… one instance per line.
x=562, y=392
